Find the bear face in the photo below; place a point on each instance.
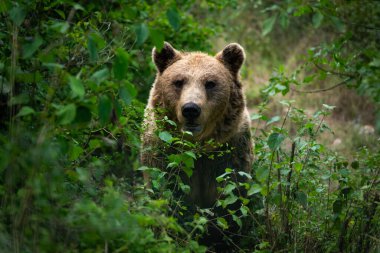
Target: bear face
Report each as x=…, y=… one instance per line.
x=201, y=93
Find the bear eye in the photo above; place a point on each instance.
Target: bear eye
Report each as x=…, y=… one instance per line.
x=178, y=83
x=210, y=85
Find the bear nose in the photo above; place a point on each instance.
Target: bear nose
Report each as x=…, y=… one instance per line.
x=191, y=111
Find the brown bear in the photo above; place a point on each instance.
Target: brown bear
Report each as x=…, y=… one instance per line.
x=202, y=94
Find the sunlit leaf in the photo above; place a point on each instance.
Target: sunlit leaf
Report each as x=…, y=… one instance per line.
x=142, y=33
x=165, y=136
x=17, y=15
x=76, y=87
x=268, y=25
x=29, y=49
x=67, y=114
x=174, y=18
x=120, y=64
x=25, y=110
x=275, y=140
x=157, y=38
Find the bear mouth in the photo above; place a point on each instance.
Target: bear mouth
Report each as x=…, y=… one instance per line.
x=193, y=128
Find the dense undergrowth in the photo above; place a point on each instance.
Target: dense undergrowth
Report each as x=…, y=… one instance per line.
x=74, y=79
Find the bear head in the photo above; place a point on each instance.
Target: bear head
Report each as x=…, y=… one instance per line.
x=201, y=93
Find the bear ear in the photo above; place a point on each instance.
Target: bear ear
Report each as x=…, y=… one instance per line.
x=232, y=56
x=167, y=56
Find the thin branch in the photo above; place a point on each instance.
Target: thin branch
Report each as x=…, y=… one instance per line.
x=322, y=90
x=333, y=72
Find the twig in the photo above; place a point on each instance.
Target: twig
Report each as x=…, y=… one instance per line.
x=322, y=90
x=333, y=72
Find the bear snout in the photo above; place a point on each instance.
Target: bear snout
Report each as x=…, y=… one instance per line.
x=191, y=111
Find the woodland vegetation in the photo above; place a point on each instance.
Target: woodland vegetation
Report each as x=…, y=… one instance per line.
x=74, y=81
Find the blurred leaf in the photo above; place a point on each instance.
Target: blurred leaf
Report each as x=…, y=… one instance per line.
x=92, y=48
x=255, y=188
x=355, y=165
x=104, y=109
x=17, y=15
x=256, y=116
x=273, y=120
x=275, y=140
x=165, y=136
x=174, y=18
x=339, y=25
x=157, y=38
x=127, y=92
x=301, y=198
x=66, y=114
x=60, y=27
x=268, y=25
x=284, y=20
x=29, y=49
x=25, y=110
x=317, y=19
x=76, y=87
x=120, y=65
x=100, y=76
x=142, y=33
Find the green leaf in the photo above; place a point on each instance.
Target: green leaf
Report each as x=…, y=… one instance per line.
x=105, y=109
x=165, y=136
x=142, y=33
x=157, y=38
x=255, y=188
x=301, y=198
x=244, y=174
x=273, y=120
x=174, y=18
x=222, y=223
x=268, y=25
x=308, y=79
x=284, y=20
x=329, y=107
x=229, y=200
x=355, y=165
x=92, y=48
x=256, y=116
x=76, y=87
x=317, y=19
x=262, y=173
x=275, y=140
x=127, y=93
x=17, y=15
x=191, y=154
x=298, y=167
x=67, y=114
x=100, y=76
x=229, y=188
x=29, y=49
x=25, y=110
x=120, y=64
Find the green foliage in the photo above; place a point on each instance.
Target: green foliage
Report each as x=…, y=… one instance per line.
x=74, y=78
x=72, y=96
